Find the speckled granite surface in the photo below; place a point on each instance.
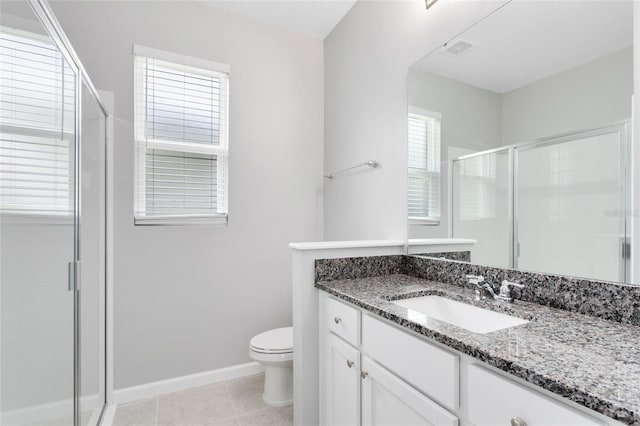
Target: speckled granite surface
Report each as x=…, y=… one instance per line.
x=589, y=360
x=358, y=267
x=610, y=301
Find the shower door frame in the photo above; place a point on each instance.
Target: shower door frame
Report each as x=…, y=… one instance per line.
x=622, y=128
x=47, y=18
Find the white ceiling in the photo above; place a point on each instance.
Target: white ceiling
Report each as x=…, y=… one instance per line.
x=528, y=40
x=313, y=18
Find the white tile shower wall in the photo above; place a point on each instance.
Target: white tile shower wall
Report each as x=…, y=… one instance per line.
x=366, y=62
x=188, y=299
x=36, y=360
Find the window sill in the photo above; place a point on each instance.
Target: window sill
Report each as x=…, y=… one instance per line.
x=187, y=220
x=423, y=221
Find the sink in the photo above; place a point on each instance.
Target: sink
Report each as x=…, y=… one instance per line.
x=469, y=317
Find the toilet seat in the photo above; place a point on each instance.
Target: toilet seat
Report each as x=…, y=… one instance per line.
x=274, y=350
x=276, y=341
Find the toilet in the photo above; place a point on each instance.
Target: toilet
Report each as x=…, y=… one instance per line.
x=274, y=349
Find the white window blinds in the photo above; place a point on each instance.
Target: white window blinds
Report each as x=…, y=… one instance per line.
x=478, y=187
x=424, y=167
x=182, y=139
x=37, y=122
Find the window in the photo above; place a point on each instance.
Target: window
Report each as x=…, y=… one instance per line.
x=181, y=132
x=424, y=167
x=37, y=123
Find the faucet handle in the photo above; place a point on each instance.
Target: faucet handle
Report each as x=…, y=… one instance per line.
x=475, y=279
x=505, y=291
x=506, y=284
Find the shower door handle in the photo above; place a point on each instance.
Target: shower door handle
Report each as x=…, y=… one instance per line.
x=74, y=275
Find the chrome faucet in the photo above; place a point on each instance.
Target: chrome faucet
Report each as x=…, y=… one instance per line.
x=505, y=291
x=482, y=291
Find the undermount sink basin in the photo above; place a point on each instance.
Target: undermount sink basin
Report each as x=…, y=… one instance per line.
x=469, y=317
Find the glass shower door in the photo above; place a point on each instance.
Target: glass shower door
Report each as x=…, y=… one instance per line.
x=37, y=222
x=570, y=206
x=481, y=205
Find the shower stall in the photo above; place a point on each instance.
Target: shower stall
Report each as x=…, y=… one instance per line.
x=557, y=205
x=52, y=226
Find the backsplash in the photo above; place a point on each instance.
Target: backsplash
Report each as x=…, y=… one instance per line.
x=610, y=301
x=358, y=267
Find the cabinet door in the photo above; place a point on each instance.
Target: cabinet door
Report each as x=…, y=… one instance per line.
x=387, y=400
x=341, y=377
x=495, y=400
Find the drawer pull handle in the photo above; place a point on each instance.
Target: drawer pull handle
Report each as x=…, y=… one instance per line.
x=517, y=421
x=337, y=320
x=364, y=375
x=349, y=363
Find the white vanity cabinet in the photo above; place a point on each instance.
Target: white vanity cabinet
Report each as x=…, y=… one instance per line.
x=341, y=376
x=356, y=389
x=373, y=372
x=388, y=400
x=495, y=400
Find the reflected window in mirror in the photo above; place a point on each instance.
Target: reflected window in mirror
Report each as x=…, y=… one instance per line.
x=424, y=167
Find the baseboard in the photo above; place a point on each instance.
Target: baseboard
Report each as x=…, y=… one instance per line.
x=109, y=415
x=150, y=390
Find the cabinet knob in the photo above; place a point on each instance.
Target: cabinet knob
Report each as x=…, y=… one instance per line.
x=349, y=363
x=364, y=375
x=517, y=421
x=337, y=320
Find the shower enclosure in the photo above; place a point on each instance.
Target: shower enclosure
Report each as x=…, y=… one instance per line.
x=52, y=226
x=558, y=205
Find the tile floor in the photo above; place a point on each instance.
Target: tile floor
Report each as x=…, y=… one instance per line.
x=235, y=402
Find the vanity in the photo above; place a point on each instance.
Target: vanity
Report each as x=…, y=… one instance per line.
x=382, y=363
x=518, y=159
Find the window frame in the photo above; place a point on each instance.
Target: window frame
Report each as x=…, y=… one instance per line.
x=142, y=143
x=427, y=220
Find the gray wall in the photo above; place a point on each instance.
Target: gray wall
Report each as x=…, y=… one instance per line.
x=366, y=62
x=188, y=299
x=594, y=94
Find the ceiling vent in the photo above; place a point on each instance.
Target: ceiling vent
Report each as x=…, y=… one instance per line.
x=458, y=48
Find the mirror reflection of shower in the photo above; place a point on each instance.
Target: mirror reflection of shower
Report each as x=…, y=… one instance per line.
x=495, y=99
x=557, y=205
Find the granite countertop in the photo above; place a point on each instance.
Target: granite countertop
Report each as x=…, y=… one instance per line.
x=591, y=361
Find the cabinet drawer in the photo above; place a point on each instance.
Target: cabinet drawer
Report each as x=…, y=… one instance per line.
x=495, y=400
x=430, y=369
x=343, y=320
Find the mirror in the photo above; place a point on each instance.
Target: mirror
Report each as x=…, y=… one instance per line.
x=519, y=130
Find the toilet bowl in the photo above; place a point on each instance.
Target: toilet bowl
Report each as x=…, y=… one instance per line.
x=274, y=349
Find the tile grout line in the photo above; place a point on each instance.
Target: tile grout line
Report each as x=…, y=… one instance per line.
x=157, y=410
x=233, y=406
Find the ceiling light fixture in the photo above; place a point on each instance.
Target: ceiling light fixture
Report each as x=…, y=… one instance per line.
x=430, y=3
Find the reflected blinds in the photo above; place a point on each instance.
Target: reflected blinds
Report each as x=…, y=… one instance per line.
x=37, y=122
x=424, y=167
x=478, y=187
x=182, y=146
